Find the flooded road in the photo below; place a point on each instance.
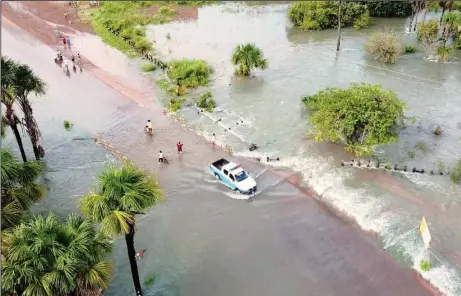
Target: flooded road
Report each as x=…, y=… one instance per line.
x=200, y=241
x=301, y=63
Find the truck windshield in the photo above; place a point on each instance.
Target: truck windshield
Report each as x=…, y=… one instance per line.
x=241, y=176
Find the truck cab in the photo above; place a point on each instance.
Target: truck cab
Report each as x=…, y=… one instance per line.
x=233, y=176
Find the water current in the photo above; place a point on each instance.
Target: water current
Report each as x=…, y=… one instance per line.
x=189, y=233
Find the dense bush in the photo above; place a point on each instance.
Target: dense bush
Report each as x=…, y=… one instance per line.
x=206, y=102
x=190, y=73
x=360, y=116
x=425, y=265
x=389, y=8
x=319, y=15
x=444, y=52
x=385, y=46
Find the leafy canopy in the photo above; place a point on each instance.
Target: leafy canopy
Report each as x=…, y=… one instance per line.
x=19, y=187
x=360, y=116
x=320, y=15
x=45, y=257
x=248, y=57
x=122, y=193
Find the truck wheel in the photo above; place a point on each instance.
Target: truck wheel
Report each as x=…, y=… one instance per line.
x=237, y=190
x=217, y=176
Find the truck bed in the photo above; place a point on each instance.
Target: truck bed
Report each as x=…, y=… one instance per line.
x=220, y=163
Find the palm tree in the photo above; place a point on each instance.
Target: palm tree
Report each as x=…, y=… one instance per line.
x=247, y=57
x=8, y=99
x=19, y=188
x=122, y=194
x=45, y=257
x=339, y=25
x=26, y=82
x=451, y=21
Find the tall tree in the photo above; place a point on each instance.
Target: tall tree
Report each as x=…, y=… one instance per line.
x=45, y=257
x=26, y=82
x=8, y=99
x=338, y=44
x=122, y=194
x=248, y=57
x=19, y=187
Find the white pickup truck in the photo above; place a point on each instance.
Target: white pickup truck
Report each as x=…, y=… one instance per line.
x=233, y=176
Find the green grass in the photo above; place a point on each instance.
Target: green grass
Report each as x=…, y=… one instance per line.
x=410, y=49
x=455, y=173
x=112, y=40
x=148, y=68
x=166, y=11
x=67, y=125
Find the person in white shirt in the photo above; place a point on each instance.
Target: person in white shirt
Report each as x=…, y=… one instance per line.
x=160, y=157
x=149, y=127
x=213, y=139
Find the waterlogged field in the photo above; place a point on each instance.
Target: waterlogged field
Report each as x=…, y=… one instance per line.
x=266, y=110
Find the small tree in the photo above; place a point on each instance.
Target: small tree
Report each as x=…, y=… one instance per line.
x=206, y=101
x=361, y=116
x=189, y=73
x=385, y=46
x=450, y=22
x=248, y=57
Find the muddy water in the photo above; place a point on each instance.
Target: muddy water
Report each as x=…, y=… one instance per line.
x=201, y=240
x=198, y=245
x=302, y=63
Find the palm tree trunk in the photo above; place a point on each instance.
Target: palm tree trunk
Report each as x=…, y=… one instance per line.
x=129, y=238
x=413, y=9
x=17, y=135
x=418, y=9
x=425, y=13
x=338, y=44
x=443, y=12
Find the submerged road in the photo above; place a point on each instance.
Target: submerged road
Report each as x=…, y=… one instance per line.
x=201, y=241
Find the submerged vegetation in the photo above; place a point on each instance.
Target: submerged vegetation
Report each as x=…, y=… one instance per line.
x=67, y=125
x=189, y=72
x=425, y=265
x=175, y=104
x=320, y=15
x=248, y=57
x=385, y=46
x=455, y=173
x=361, y=116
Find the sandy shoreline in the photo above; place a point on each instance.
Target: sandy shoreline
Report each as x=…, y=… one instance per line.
x=32, y=26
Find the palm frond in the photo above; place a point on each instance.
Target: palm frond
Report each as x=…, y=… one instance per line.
x=116, y=223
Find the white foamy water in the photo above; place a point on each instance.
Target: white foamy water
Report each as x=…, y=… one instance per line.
x=370, y=213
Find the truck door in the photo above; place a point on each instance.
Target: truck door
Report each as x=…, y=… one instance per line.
x=226, y=173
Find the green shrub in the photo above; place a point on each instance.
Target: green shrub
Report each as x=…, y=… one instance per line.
x=165, y=10
x=190, y=73
x=410, y=49
x=411, y=154
x=206, y=102
x=319, y=15
x=425, y=265
x=361, y=116
x=455, y=173
x=175, y=104
x=385, y=46
x=67, y=125
x=389, y=8
x=148, y=68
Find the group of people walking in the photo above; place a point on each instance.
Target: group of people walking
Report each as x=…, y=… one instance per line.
x=161, y=158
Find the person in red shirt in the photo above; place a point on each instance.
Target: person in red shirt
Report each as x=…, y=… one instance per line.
x=179, y=147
